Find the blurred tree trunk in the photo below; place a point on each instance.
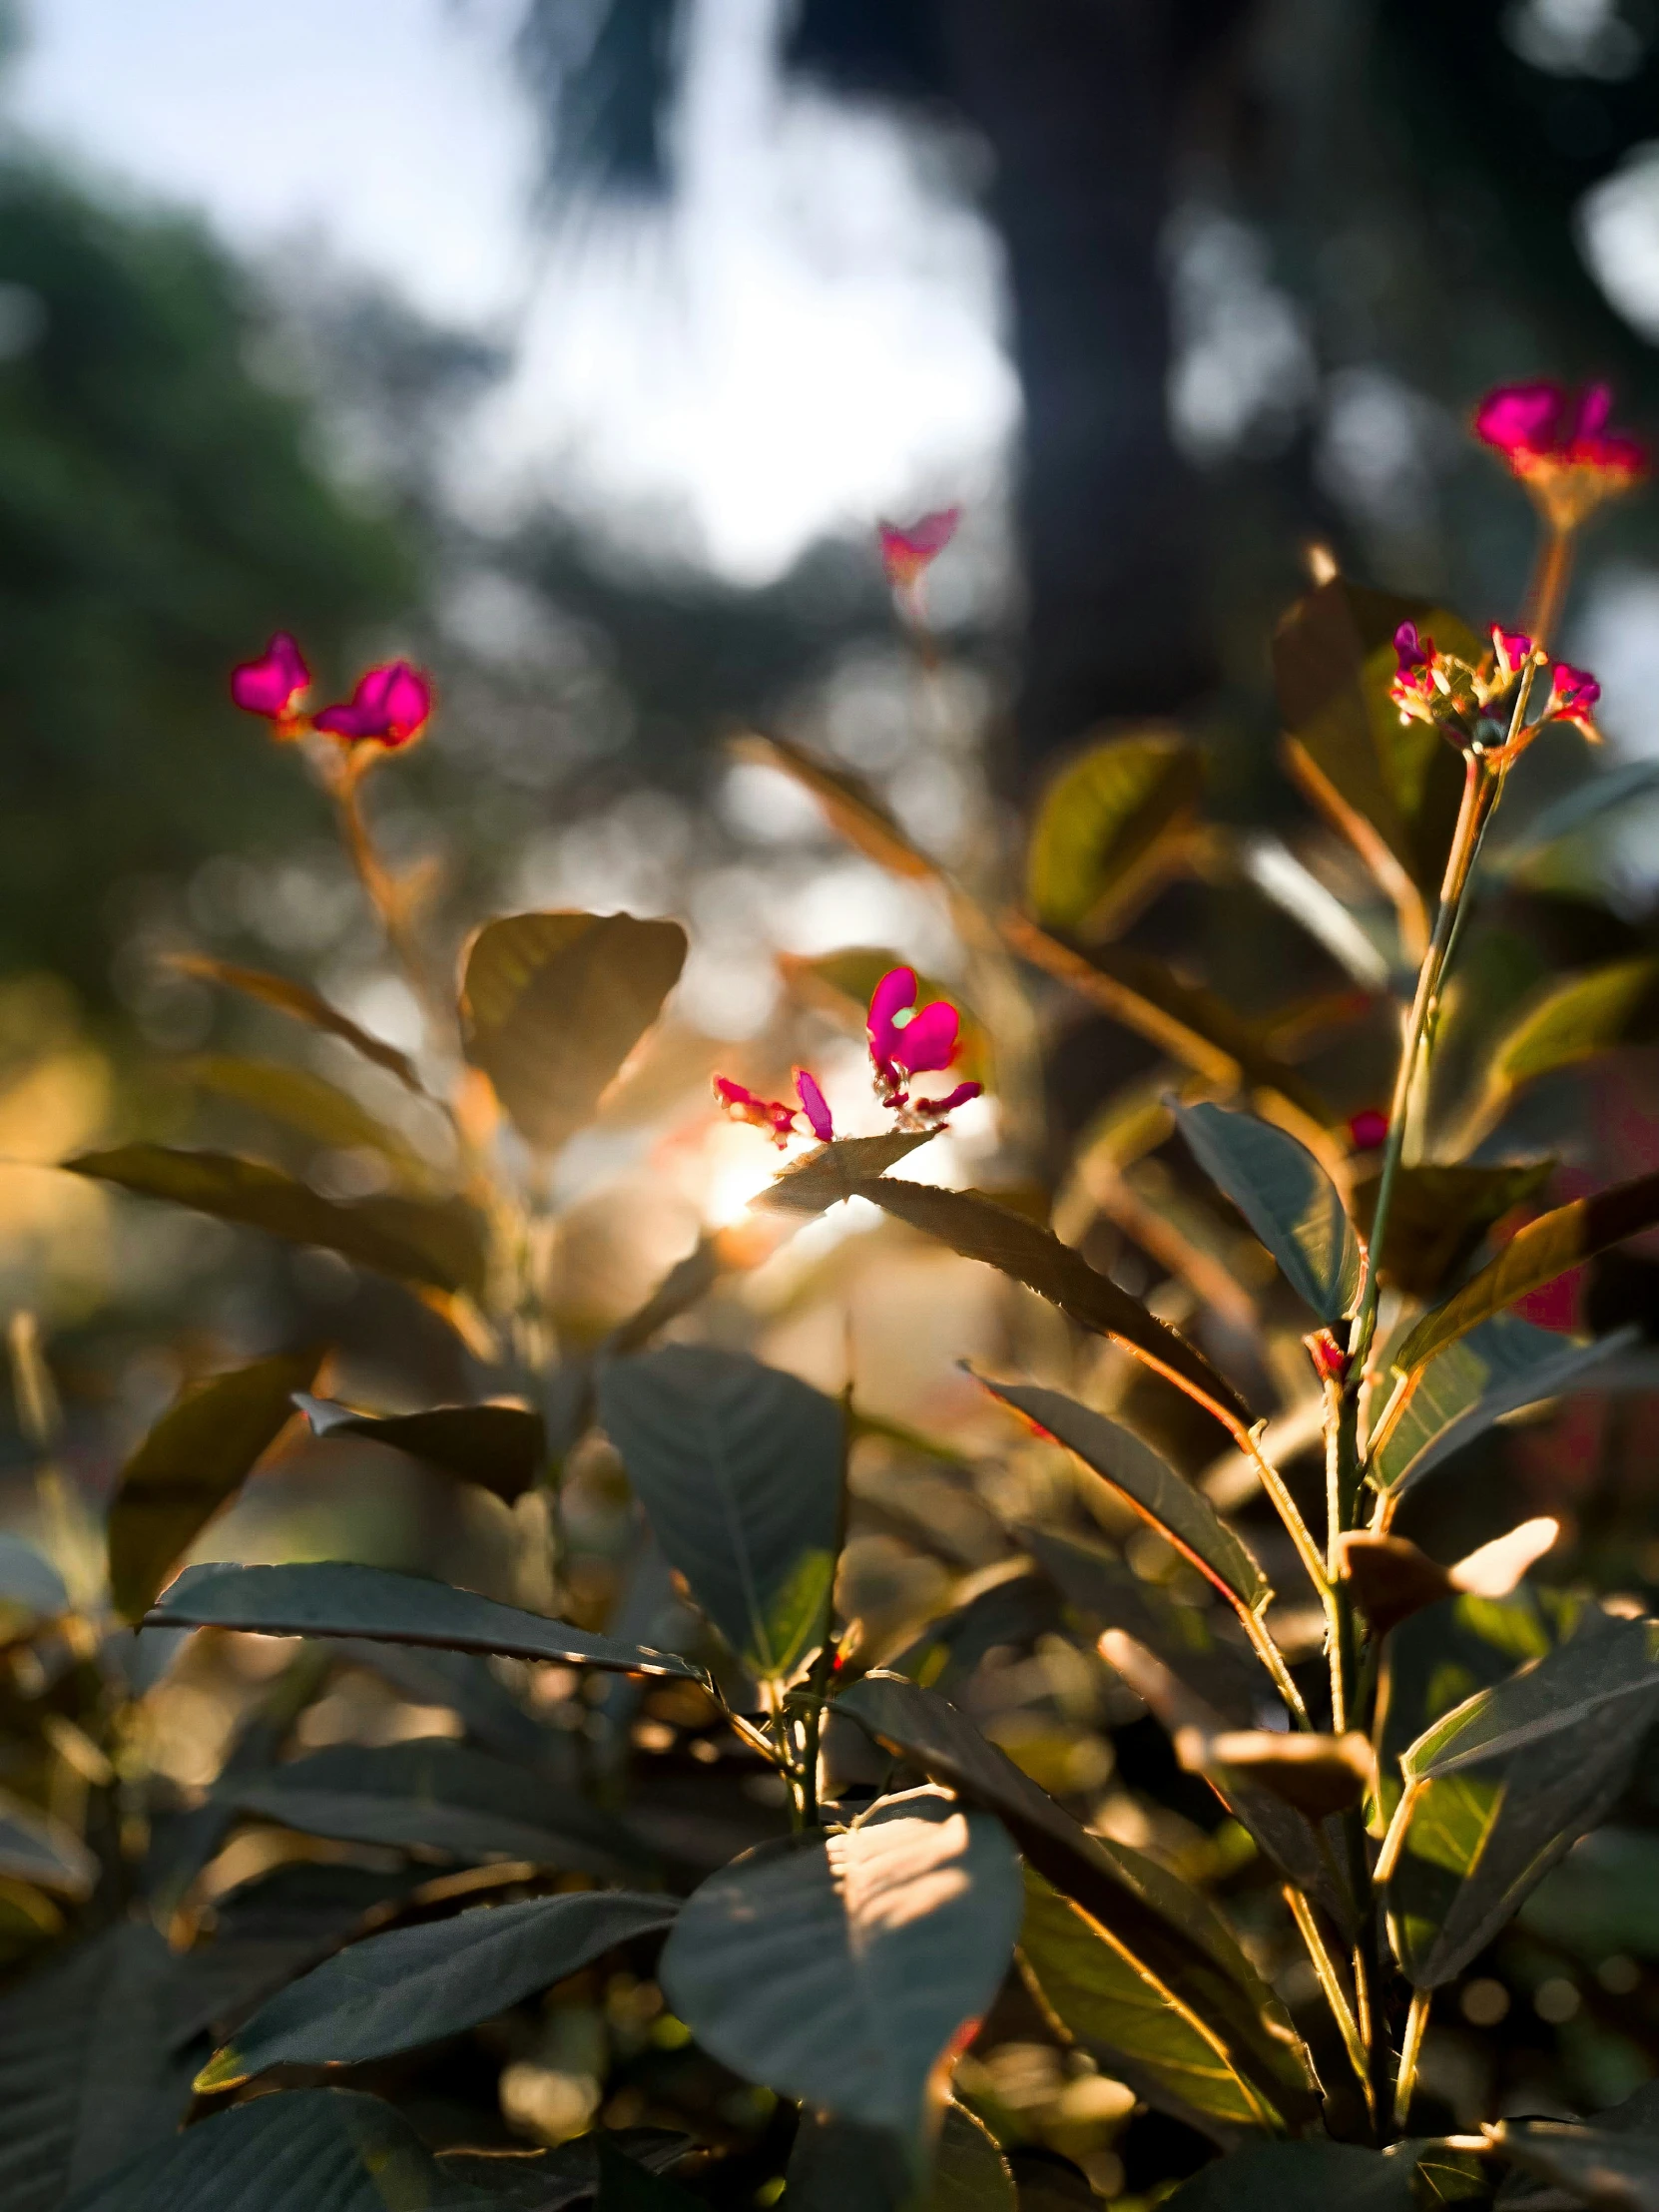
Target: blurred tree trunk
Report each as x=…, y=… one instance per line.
x=1079, y=102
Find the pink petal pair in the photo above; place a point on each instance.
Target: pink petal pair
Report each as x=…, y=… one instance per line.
x=389, y=704
x=271, y=684
x=925, y=1043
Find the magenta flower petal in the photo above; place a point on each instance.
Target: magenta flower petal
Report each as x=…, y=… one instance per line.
x=1522, y=418
x=908, y=551
x=391, y=703
x=1369, y=1129
x=896, y=991
x=929, y=1041
x=953, y=1099
x=1411, y=649
x=812, y=1105
x=271, y=685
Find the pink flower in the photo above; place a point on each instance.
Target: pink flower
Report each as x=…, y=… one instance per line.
x=908, y=552
x=1561, y=450
x=1573, y=698
x=391, y=704
x=812, y=1105
x=1511, y=649
x=923, y=1045
x=1411, y=649
x=953, y=1099
x=271, y=685
x=1367, y=1129
x=771, y=1114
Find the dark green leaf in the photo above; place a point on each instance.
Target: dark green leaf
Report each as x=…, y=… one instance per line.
x=839, y=1970
x=440, y=1243
x=327, y=2150
x=1616, y=1663
x=1288, y=1199
x=1602, y=1899
x=1497, y=1368
x=980, y=1228
x=310, y=1103
x=1393, y=785
x=836, y=1171
x=738, y=1467
x=1105, y=1998
x=1141, y=1479
x=625, y=2186
x=686, y=1284
x=36, y=1847
x=835, y=2165
x=192, y=1462
x=1616, y=2173
x=1438, y=1216
x=1539, y=1253
x=1301, y=2177
x=548, y=2180
x=432, y=1794
x=554, y=1004
x=1102, y=824
x=335, y=1597
x=415, y=1985
x=465, y=1681
x=1174, y=1931
x=501, y=1448
x=849, y=803
x=303, y=1004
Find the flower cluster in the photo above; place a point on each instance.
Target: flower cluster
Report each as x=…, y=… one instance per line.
x=1470, y=703
x=1560, y=449
x=390, y=706
x=903, y=1043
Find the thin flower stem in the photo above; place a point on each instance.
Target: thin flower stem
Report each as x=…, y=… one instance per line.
x=1550, y=583
x=1330, y=1982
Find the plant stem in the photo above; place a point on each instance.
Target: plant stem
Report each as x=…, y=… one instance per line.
x=1324, y=1969
x=1410, y=2050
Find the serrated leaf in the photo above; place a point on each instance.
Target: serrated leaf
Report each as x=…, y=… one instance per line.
x=1289, y=1201
x=430, y=1240
x=1301, y=2177
x=415, y=1985
x=849, y=802
x=1146, y=1484
x=738, y=1467
x=432, y=1794
x=303, y=1004
x=839, y=1171
x=1537, y=1255
x=1437, y=1217
x=193, y=1461
x=1391, y=785
x=834, y=2164
x=1102, y=822
x=978, y=1229
x=335, y=1597
x=35, y=1847
x=1105, y=1998
x=839, y=1970
x=1464, y=1390
x=308, y=1103
x=501, y=1448
x=1616, y=2173
x=1162, y=1922
x=332, y=2150
x=552, y=1006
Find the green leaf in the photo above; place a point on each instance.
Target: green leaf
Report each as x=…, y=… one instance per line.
x=684, y=1284
x=1497, y=1369
x=501, y=1448
x=738, y=1467
x=335, y=1597
x=836, y=1171
x=1104, y=1997
x=625, y=2186
x=415, y=1985
x=192, y=1462
x=835, y=2165
x=1539, y=1253
x=849, y=802
x=1102, y=824
x=1301, y=2177
x=1174, y=1931
x=331, y=2150
x=1608, y=1662
x=1577, y=1018
x=432, y=1794
x=1596, y=2165
x=35, y=1847
x=1145, y=1482
x=310, y=1103
x=552, y=1006
x=839, y=1970
x=980, y=1228
x=1287, y=1198
x=1393, y=785
x=1438, y=1216
x=440, y=1243
x=1602, y=1899
x=303, y=1004
x=465, y=1681
x=548, y=2180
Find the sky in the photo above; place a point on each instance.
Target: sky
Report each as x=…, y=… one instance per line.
x=807, y=339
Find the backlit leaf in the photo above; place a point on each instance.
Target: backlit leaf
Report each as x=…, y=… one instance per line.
x=1617, y=1662
x=1437, y=1217
x=1142, y=1480
x=1287, y=1198
x=1102, y=824
x=35, y=1847
x=1539, y=1253
x=980, y=1228
x=432, y=1794
x=553, y=1004
x=738, y=1467
x=1301, y=2177
x=310, y=1103
x=1106, y=2000
x=1579, y=1017
x=192, y=1460
x=332, y=2150
x=335, y=1597
x=303, y=1004
x=849, y=802
x=838, y=1969
x=415, y=1985
x=428, y=1240
x=501, y=1448
x=1616, y=2171
x=835, y=2165
x=838, y=1171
